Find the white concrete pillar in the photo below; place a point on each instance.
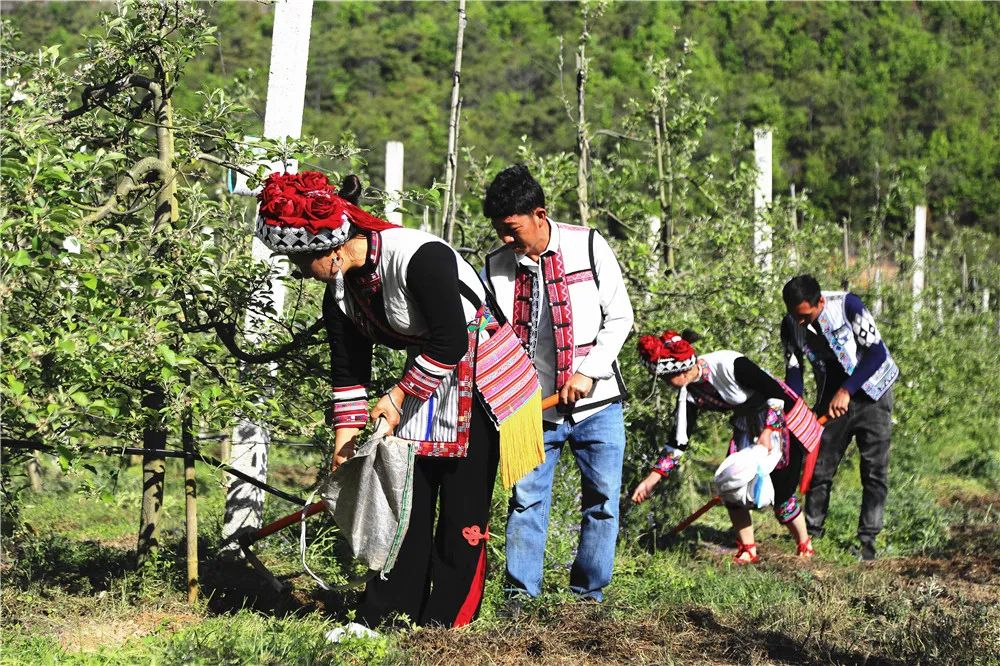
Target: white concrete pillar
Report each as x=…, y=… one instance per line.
x=919, y=259
x=762, y=143
x=655, y=251
x=286, y=86
x=394, y=181
x=425, y=224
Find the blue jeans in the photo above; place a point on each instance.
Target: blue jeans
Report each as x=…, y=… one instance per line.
x=598, y=444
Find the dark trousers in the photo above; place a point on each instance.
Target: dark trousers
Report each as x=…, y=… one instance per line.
x=870, y=422
x=439, y=575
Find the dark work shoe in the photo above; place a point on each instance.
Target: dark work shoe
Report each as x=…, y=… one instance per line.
x=867, y=551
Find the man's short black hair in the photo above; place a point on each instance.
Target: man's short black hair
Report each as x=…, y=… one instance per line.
x=801, y=288
x=513, y=192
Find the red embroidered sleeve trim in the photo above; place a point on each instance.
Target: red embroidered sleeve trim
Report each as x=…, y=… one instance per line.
x=350, y=407
x=423, y=377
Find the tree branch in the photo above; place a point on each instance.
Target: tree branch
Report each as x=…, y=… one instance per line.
x=227, y=335
x=223, y=163
x=129, y=183
x=95, y=95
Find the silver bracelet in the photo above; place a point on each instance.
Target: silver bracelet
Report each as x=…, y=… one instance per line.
x=392, y=402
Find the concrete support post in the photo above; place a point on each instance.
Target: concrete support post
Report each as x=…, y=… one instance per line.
x=762, y=141
x=286, y=86
x=394, y=181
x=919, y=260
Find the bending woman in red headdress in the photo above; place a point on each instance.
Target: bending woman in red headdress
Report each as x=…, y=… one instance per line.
x=405, y=289
x=727, y=381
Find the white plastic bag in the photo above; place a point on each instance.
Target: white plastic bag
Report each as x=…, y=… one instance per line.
x=744, y=479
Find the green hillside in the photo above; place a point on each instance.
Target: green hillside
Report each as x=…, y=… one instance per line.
x=858, y=93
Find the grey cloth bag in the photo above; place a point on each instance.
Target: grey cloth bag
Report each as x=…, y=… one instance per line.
x=369, y=497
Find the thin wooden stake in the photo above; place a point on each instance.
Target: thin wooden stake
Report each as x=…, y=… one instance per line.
x=793, y=220
x=451, y=166
x=665, y=226
x=582, y=139
x=190, y=505
x=394, y=181
x=847, y=245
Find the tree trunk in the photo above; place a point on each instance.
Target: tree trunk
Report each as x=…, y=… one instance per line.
x=664, y=182
x=154, y=436
x=34, y=472
x=451, y=166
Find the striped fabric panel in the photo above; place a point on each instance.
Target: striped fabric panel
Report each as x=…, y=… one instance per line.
x=583, y=350
x=802, y=423
x=424, y=376
x=434, y=419
x=350, y=407
x=493, y=352
x=504, y=374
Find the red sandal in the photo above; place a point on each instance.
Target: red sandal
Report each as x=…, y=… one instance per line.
x=806, y=548
x=742, y=548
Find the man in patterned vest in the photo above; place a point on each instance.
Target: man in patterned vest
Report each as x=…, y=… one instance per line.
x=854, y=376
x=561, y=288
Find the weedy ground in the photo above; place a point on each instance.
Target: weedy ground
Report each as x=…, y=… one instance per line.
x=72, y=595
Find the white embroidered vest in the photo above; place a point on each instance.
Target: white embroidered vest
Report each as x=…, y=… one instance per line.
x=575, y=243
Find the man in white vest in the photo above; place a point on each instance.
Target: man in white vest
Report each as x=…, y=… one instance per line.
x=561, y=288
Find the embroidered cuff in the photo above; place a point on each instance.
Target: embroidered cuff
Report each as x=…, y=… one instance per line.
x=667, y=463
x=787, y=511
x=350, y=407
x=775, y=415
x=423, y=377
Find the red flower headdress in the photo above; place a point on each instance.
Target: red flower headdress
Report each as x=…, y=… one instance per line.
x=301, y=212
x=666, y=354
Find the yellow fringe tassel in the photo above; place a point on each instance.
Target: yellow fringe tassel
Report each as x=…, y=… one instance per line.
x=522, y=448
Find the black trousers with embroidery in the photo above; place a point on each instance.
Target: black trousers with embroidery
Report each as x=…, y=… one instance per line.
x=439, y=574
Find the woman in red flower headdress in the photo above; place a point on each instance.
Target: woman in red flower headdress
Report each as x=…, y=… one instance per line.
x=405, y=289
x=727, y=381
